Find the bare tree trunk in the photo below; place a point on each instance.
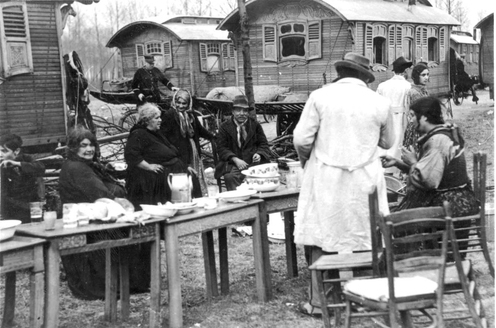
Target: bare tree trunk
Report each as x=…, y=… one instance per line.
x=247, y=69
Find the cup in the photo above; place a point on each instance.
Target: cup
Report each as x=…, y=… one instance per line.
x=291, y=180
x=50, y=218
x=36, y=211
x=213, y=191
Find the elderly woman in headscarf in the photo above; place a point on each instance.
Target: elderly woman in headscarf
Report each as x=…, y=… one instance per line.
x=182, y=127
x=84, y=179
x=420, y=77
x=150, y=158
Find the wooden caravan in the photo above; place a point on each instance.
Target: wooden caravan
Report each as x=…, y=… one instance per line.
x=486, y=60
x=189, y=49
x=32, y=87
x=296, y=43
x=468, y=50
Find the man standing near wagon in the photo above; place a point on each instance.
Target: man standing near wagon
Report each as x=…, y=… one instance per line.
x=396, y=90
x=336, y=139
x=145, y=82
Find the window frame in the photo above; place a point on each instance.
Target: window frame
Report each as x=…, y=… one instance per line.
x=155, y=48
x=20, y=42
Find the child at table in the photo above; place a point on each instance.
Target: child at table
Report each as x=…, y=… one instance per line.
x=18, y=179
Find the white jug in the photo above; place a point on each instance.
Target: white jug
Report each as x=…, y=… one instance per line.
x=181, y=187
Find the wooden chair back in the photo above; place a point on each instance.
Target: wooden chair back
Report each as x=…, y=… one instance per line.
x=470, y=231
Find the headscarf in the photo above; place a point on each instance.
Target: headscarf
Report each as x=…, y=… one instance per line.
x=184, y=118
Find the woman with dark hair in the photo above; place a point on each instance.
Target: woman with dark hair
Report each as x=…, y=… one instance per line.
x=438, y=172
x=150, y=158
x=84, y=179
x=182, y=128
x=420, y=77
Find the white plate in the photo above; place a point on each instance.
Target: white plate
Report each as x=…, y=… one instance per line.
x=237, y=195
x=184, y=208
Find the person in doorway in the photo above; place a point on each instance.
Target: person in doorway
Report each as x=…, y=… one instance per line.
x=19, y=174
x=396, y=90
x=241, y=142
x=420, y=77
x=183, y=129
x=145, y=82
x=340, y=157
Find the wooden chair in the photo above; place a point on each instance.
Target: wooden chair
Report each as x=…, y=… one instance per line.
x=471, y=230
x=346, y=262
x=415, y=240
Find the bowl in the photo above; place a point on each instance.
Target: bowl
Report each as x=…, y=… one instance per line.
x=184, y=208
x=262, y=184
x=119, y=166
x=8, y=228
x=237, y=195
x=262, y=170
x=158, y=210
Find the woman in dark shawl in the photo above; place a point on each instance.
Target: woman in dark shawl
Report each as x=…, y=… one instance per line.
x=84, y=179
x=150, y=158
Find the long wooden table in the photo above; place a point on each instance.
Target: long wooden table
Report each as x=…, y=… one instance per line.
x=204, y=221
x=284, y=200
x=21, y=253
x=64, y=241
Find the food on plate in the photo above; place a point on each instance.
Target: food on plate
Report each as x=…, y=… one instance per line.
x=115, y=210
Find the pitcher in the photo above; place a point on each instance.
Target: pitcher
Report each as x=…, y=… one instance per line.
x=181, y=187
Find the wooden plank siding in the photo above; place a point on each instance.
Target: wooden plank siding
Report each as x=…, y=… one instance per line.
x=32, y=105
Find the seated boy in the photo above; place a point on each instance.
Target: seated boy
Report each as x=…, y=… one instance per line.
x=19, y=174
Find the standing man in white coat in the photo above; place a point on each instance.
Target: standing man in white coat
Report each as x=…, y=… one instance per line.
x=396, y=90
x=336, y=139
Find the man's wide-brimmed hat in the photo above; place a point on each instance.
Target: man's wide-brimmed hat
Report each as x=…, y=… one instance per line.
x=358, y=63
x=401, y=64
x=149, y=59
x=240, y=102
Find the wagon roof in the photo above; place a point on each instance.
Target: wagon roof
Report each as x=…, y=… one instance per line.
x=173, y=25
x=466, y=39
x=484, y=21
x=366, y=11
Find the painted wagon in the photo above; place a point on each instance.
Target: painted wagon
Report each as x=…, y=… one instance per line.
x=486, y=59
x=296, y=43
x=32, y=86
x=468, y=50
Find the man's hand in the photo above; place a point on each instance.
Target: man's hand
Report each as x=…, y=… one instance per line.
x=256, y=158
x=10, y=163
x=408, y=155
x=388, y=161
x=240, y=164
x=141, y=96
x=175, y=89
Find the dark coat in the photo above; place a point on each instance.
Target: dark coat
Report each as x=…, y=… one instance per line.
x=19, y=188
x=146, y=82
x=227, y=145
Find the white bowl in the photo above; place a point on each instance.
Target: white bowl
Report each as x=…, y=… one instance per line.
x=158, y=210
x=263, y=184
x=184, y=208
x=8, y=228
x=237, y=195
x=262, y=170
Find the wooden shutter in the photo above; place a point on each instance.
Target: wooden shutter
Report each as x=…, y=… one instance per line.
x=314, y=38
x=399, y=41
x=269, y=43
x=203, y=57
x=228, y=57
x=369, y=42
x=425, y=45
x=15, y=39
x=391, y=44
x=421, y=44
x=442, y=44
x=167, y=46
x=140, y=55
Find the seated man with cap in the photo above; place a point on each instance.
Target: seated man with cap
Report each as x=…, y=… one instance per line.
x=396, y=90
x=241, y=142
x=145, y=82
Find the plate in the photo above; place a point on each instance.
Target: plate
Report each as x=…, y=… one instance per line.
x=237, y=195
x=184, y=208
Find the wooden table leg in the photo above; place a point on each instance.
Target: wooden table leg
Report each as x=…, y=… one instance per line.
x=155, y=280
x=223, y=262
x=52, y=284
x=9, y=301
x=124, y=284
x=261, y=255
x=292, y=264
x=37, y=289
x=111, y=271
x=209, y=262
x=173, y=277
